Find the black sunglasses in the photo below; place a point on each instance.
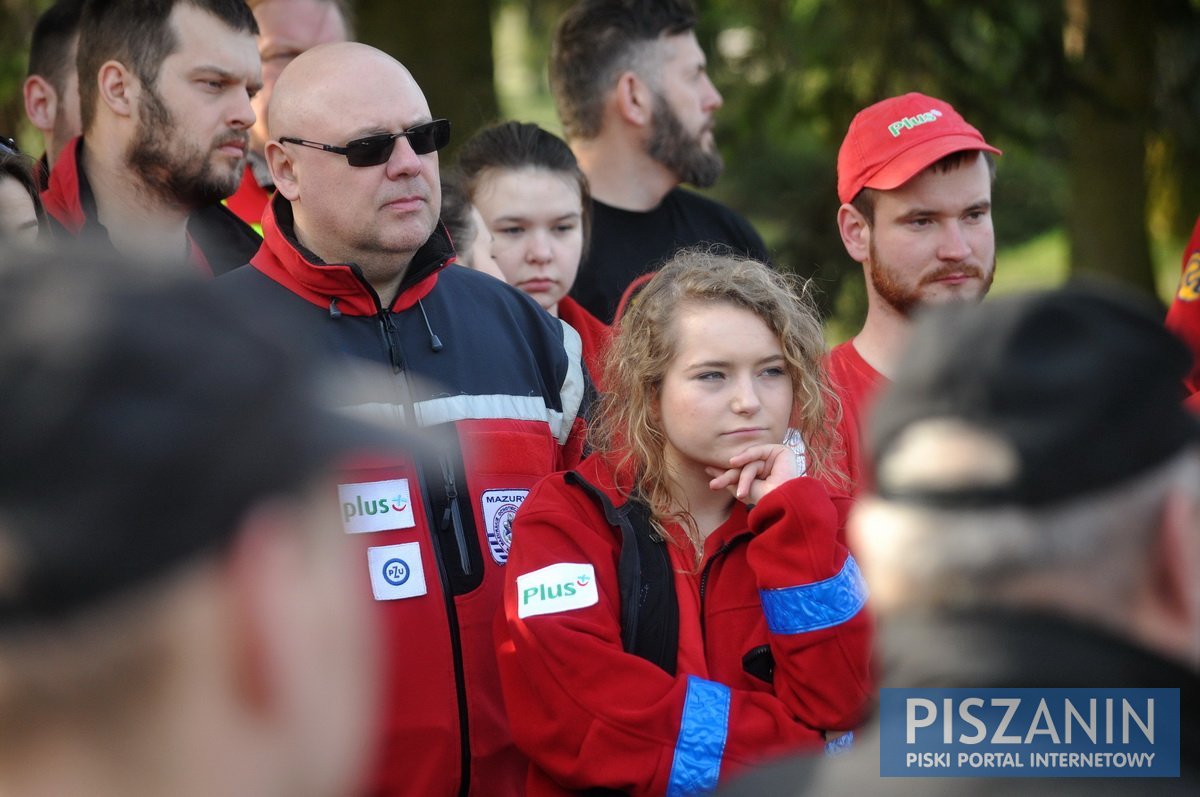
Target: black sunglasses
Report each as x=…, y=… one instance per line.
x=374, y=150
x=8, y=146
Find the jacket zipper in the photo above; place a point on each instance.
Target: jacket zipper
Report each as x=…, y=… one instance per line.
x=388, y=331
x=724, y=549
x=452, y=516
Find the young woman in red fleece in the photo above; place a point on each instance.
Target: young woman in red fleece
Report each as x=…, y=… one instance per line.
x=682, y=605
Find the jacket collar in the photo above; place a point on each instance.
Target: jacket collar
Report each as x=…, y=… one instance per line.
x=342, y=285
x=611, y=473
x=68, y=197
x=69, y=201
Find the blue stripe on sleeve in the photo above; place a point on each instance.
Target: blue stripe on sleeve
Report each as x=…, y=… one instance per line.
x=822, y=604
x=701, y=741
x=840, y=745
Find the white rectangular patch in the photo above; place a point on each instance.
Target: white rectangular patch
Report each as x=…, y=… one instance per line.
x=499, y=509
x=557, y=588
x=376, y=506
x=396, y=571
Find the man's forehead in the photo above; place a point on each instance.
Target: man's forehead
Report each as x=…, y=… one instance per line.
x=200, y=35
x=382, y=121
x=299, y=22
x=386, y=102
x=961, y=186
x=343, y=97
x=680, y=48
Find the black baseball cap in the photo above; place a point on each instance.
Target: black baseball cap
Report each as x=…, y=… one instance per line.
x=1083, y=384
x=140, y=418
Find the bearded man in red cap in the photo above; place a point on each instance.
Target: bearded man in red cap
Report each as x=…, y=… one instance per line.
x=915, y=181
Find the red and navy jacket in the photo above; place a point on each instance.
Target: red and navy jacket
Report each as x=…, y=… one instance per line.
x=497, y=388
x=593, y=715
x=218, y=241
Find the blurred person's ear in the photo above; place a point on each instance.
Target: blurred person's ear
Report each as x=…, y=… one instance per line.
x=41, y=102
x=305, y=658
x=876, y=539
x=1173, y=581
x=260, y=567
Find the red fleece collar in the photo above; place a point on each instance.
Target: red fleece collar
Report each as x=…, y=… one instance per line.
x=61, y=198
x=282, y=259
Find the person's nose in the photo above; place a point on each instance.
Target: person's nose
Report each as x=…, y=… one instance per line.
x=404, y=162
x=953, y=245
x=745, y=400
x=712, y=99
x=538, y=250
x=241, y=112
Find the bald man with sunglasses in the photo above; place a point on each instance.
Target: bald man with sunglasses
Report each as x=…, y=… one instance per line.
x=354, y=255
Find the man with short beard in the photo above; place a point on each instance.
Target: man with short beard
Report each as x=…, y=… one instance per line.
x=164, y=96
x=637, y=109
x=915, y=181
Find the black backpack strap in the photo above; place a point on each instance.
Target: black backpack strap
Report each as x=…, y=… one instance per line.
x=649, y=609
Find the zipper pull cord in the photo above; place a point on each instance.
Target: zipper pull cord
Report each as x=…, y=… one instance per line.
x=435, y=343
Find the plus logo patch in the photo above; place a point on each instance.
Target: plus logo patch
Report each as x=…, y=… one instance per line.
x=558, y=588
x=376, y=506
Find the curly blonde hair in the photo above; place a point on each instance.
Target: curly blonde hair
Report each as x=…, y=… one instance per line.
x=644, y=347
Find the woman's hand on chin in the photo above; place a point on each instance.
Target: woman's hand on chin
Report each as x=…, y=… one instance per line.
x=755, y=472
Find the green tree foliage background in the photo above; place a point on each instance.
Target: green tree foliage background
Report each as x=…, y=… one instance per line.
x=1096, y=104
x=17, y=18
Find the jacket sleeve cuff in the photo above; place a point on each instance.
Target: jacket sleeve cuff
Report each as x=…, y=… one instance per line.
x=817, y=605
x=807, y=579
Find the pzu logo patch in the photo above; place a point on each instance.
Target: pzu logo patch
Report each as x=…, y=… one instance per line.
x=499, y=509
x=396, y=571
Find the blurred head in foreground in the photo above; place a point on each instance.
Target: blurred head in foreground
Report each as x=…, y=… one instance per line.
x=1034, y=454
x=174, y=611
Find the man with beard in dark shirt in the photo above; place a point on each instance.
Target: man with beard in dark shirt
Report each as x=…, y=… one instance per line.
x=637, y=108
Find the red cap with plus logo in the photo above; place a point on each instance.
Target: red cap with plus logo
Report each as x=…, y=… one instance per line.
x=891, y=141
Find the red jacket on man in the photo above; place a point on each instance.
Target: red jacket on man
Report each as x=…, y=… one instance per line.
x=591, y=715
